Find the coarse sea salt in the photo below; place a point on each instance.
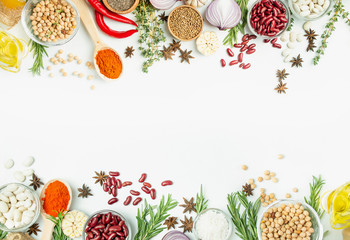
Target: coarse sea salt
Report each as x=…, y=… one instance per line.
x=212, y=225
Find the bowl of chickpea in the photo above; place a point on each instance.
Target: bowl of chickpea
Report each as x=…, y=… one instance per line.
x=50, y=22
x=289, y=219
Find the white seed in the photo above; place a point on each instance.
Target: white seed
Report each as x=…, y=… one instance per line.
x=4, y=208
x=4, y=198
x=287, y=59
x=286, y=52
x=9, y=224
x=284, y=36
x=19, y=190
x=296, y=7
x=291, y=45
x=300, y=37
x=28, y=172
x=21, y=196
x=326, y=5
x=305, y=13
x=28, y=161
x=292, y=37
x=9, y=164
x=19, y=176
x=307, y=25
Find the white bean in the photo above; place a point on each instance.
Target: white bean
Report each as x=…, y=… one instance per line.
x=8, y=194
x=27, y=203
x=4, y=198
x=11, y=188
x=17, y=215
x=305, y=13
x=21, y=196
x=22, y=208
x=9, y=164
x=13, y=200
x=28, y=172
x=286, y=52
x=29, y=214
x=291, y=45
x=4, y=208
x=300, y=37
x=19, y=176
x=2, y=220
x=28, y=161
x=292, y=37
x=9, y=224
x=18, y=224
x=307, y=25
x=33, y=207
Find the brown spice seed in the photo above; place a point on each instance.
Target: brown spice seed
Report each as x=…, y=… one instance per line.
x=185, y=23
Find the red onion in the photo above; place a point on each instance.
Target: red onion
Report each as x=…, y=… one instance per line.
x=175, y=235
x=224, y=14
x=163, y=4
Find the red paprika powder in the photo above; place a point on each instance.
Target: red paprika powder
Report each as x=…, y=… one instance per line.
x=56, y=198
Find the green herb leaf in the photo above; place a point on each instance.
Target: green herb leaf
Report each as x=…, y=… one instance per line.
x=314, y=200
x=201, y=202
x=57, y=231
x=38, y=53
x=3, y=234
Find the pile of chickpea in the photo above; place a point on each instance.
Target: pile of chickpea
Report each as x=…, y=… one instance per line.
x=286, y=222
x=53, y=20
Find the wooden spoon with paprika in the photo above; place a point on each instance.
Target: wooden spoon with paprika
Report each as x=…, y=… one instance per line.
x=48, y=224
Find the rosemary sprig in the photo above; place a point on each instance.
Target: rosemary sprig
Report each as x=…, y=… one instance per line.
x=338, y=11
x=201, y=202
x=57, y=231
x=151, y=33
x=244, y=221
x=291, y=23
x=231, y=37
x=149, y=223
x=3, y=234
x=38, y=54
x=314, y=199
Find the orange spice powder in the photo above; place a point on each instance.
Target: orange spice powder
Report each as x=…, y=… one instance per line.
x=56, y=198
x=109, y=63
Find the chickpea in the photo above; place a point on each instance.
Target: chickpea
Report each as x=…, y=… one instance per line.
x=295, y=189
x=288, y=195
x=267, y=177
x=267, y=172
x=90, y=77
x=80, y=75
x=244, y=167
x=92, y=87
x=251, y=181
x=275, y=180
x=51, y=75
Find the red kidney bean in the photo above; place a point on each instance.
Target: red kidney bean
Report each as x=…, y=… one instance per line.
x=245, y=42
x=245, y=47
x=233, y=62
x=251, y=46
x=241, y=65
x=114, y=191
x=126, y=183
x=95, y=231
x=90, y=234
x=121, y=223
x=127, y=200
x=109, y=183
x=119, y=184
x=245, y=37
x=104, y=235
x=229, y=52
x=237, y=45
x=266, y=40
x=240, y=57
x=143, y=177
x=274, y=40
x=105, y=187
x=115, y=228
x=246, y=66
x=153, y=193
x=135, y=193
x=223, y=62
x=107, y=228
x=103, y=219
x=120, y=234
x=111, y=236
x=109, y=190
x=276, y=45
x=137, y=201
x=146, y=190
x=93, y=222
x=166, y=183
x=108, y=217
x=125, y=230
x=146, y=184
x=114, y=174
x=252, y=37
x=112, y=200
x=114, y=220
x=113, y=181
x=251, y=51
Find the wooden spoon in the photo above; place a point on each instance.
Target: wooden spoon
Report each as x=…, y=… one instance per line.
x=48, y=224
x=90, y=26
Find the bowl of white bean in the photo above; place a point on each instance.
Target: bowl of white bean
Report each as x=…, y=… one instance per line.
x=289, y=219
x=50, y=22
x=309, y=10
x=19, y=207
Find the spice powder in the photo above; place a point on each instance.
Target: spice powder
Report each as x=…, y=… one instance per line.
x=185, y=23
x=121, y=5
x=109, y=63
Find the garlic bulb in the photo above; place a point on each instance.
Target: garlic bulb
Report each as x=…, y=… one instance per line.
x=195, y=3
x=73, y=224
x=208, y=43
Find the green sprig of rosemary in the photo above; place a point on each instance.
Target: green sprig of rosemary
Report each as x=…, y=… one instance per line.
x=149, y=223
x=244, y=221
x=290, y=24
x=3, y=234
x=151, y=33
x=231, y=37
x=338, y=11
x=39, y=51
x=314, y=200
x=201, y=202
x=57, y=231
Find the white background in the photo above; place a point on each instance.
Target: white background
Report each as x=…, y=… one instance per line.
x=195, y=124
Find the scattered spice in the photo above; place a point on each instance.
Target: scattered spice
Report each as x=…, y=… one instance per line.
x=310, y=35
x=187, y=224
x=84, y=191
x=109, y=63
x=121, y=5
x=311, y=46
x=185, y=23
x=175, y=45
x=163, y=17
x=185, y=56
x=56, y=198
x=100, y=177
x=297, y=61
x=171, y=222
x=282, y=74
x=167, y=53
x=247, y=190
x=36, y=182
x=281, y=88
x=34, y=229
x=189, y=205
x=129, y=52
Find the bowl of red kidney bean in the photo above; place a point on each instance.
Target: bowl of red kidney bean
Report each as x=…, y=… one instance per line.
x=268, y=18
x=107, y=225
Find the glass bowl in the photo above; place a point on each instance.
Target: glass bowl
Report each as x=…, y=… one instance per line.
x=37, y=210
x=315, y=219
x=263, y=36
x=27, y=24
x=230, y=224
x=114, y=213
x=295, y=13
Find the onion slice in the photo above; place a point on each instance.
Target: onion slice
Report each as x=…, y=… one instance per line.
x=223, y=14
x=163, y=4
x=175, y=235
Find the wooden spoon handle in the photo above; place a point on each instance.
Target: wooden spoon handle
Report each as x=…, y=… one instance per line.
x=87, y=18
x=346, y=234
x=48, y=230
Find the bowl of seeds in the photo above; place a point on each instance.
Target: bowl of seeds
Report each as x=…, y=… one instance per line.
x=185, y=23
x=121, y=6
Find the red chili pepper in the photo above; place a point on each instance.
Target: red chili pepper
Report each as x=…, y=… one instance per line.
x=98, y=6
x=117, y=34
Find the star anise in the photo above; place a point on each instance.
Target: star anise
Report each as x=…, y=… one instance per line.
x=187, y=224
x=100, y=177
x=310, y=35
x=129, y=52
x=163, y=17
x=84, y=191
x=297, y=61
x=248, y=190
x=189, y=205
x=185, y=56
x=175, y=45
x=36, y=182
x=310, y=46
x=171, y=222
x=167, y=53
x=281, y=88
x=282, y=74
x=34, y=229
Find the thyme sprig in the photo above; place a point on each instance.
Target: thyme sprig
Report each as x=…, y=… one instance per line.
x=314, y=200
x=151, y=33
x=39, y=52
x=244, y=221
x=338, y=11
x=201, y=202
x=57, y=231
x=3, y=234
x=149, y=223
